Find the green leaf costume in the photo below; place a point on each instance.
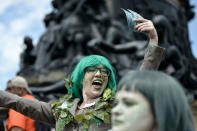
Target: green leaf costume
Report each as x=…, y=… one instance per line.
x=102, y=109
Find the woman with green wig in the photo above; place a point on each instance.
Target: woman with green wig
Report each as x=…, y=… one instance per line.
x=91, y=91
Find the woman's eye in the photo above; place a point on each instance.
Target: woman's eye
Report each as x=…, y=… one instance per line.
x=91, y=70
x=115, y=103
x=103, y=71
x=128, y=102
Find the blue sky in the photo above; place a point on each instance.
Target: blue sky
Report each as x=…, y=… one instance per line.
x=25, y=17
x=17, y=19
x=193, y=30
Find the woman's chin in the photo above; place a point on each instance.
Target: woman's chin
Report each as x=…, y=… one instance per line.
x=96, y=94
x=118, y=128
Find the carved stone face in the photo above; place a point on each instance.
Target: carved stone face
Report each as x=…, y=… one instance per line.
x=132, y=112
x=94, y=83
x=74, y=29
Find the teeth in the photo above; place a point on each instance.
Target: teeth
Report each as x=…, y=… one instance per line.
x=98, y=81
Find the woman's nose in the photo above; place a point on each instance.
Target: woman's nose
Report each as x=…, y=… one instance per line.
x=98, y=73
x=116, y=111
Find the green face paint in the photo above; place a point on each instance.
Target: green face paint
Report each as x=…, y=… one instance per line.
x=94, y=84
x=85, y=81
x=132, y=111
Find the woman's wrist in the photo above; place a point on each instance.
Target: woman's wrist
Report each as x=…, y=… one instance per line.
x=154, y=42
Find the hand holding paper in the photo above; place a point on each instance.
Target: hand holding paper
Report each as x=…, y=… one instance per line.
x=137, y=23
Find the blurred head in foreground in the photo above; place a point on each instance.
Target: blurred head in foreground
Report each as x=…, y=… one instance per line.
x=151, y=101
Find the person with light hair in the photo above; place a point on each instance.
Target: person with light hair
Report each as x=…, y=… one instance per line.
x=151, y=101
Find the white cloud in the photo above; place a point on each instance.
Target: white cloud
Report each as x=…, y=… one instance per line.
x=13, y=30
x=2, y=28
x=18, y=26
x=6, y=4
x=37, y=13
x=10, y=50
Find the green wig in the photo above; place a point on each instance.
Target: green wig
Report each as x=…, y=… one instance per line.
x=79, y=71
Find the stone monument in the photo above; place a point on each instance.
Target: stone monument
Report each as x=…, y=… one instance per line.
x=76, y=28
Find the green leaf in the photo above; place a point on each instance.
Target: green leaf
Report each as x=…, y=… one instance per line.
x=69, y=105
x=88, y=116
x=69, y=118
x=107, y=94
x=109, y=108
x=99, y=114
x=98, y=121
x=113, y=93
x=63, y=114
x=85, y=124
x=61, y=99
x=79, y=118
x=69, y=82
x=67, y=97
x=55, y=104
x=62, y=122
x=57, y=114
x=106, y=118
x=67, y=86
x=60, y=125
x=100, y=105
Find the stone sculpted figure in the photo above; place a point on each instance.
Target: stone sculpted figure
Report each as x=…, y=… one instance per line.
x=27, y=57
x=46, y=42
x=173, y=62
